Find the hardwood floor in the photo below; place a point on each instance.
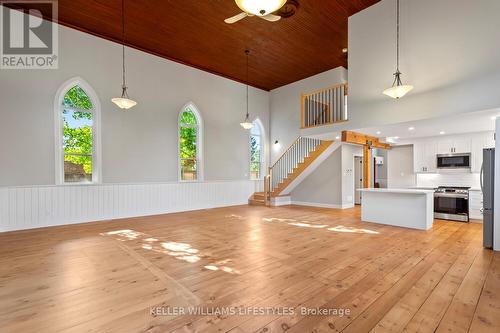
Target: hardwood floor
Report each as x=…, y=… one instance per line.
x=109, y=276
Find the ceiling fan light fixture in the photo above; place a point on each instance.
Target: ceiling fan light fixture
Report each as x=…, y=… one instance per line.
x=260, y=7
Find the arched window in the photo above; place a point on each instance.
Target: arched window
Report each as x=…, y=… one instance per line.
x=190, y=150
x=257, y=155
x=77, y=139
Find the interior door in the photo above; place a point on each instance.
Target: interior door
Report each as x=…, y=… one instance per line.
x=358, y=178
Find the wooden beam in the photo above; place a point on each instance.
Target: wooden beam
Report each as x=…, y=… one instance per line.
x=362, y=139
x=366, y=166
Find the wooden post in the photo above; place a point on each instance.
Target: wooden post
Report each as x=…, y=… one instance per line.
x=366, y=165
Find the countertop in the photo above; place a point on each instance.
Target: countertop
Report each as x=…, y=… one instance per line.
x=397, y=190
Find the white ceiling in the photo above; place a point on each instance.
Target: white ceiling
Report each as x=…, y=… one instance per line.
x=456, y=124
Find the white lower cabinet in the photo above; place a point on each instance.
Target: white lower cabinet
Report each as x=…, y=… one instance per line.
x=475, y=205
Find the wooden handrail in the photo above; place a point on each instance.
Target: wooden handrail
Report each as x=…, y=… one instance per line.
x=286, y=151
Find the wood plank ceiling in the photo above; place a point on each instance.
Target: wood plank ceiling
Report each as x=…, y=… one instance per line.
x=193, y=32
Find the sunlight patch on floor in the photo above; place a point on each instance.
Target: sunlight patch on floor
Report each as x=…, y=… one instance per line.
x=180, y=251
x=341, y=228
x=221, y=266
x=307, y=224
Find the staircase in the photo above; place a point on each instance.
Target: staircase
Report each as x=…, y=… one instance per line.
x=292, y=164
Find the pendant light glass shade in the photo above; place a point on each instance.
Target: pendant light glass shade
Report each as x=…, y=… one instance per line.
x=260, y=7
x=398, y=89
x=123, y=102
x=246, y=124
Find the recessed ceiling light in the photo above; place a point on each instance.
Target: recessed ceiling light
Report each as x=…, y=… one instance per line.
x=396, y=137
x=442, y=132
x=494, y=118
x=378, y=132
x=411, y=128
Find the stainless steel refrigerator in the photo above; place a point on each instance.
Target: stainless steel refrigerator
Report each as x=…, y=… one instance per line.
x=488, y=188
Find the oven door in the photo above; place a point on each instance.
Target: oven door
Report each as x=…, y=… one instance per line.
x=453, y=161
x=451, y=206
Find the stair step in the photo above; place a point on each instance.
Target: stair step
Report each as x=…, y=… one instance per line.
x=254, y=202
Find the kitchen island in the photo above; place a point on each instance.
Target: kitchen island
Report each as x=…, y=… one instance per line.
x=409, y=208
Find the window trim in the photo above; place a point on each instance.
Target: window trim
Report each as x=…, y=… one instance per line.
x=199, y=143
x=263, y=150
x=96, y=131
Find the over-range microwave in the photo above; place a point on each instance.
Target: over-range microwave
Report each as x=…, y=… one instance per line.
x=453, y=161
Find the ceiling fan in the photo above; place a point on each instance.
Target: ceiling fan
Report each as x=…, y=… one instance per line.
x=263, y=9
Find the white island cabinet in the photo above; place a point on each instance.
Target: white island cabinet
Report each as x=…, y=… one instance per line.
x=409, y=208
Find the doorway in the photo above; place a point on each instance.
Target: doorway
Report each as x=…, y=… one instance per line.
x=358, y=178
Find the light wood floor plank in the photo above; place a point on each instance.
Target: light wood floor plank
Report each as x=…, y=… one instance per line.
x=106, y=276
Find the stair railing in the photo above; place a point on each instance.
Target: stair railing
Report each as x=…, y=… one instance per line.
x=325, y=106
x=289, y=160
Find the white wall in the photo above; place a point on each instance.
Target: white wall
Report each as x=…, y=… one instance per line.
x=324, y=186
x=449, y=52
x=400, y=167
x=285, y=107
x=138, y=145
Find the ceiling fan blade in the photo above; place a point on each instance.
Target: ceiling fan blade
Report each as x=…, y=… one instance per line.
x=270, y=17
x=236, y=18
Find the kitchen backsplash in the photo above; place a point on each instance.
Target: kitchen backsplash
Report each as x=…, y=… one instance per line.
x=448, y=179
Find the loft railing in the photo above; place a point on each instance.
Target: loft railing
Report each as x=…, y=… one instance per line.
x=323, y=107
x=285, y=165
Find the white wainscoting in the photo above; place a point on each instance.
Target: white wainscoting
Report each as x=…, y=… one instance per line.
x=43, y=206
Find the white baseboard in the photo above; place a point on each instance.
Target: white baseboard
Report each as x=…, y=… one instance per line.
x=281, y=201
x=322, y=205
x=31, y=207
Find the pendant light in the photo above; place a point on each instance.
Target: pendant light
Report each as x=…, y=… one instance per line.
x=123, y=102
x=247, y=124
x=398, y=89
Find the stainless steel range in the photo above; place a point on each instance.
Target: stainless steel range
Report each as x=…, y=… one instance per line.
x=451, y=203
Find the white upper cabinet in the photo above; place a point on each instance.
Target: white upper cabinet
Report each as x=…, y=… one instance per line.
x=424, y=156
x=454, y=146
x=462, y=145
x=480, y=142
x=425, y=150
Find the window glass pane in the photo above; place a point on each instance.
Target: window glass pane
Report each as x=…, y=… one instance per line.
x=188, y=118
x=77, y=168
x=254, y=170
x=187, y=142
x=77, y=145
x=255, y=130
x=188, y=169
x=77, y=98
x=255, y=149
